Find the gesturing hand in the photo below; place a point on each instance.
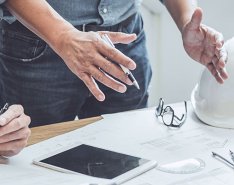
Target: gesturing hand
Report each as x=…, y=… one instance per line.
x=86, y=55
x=14, y=131
x=205, y=45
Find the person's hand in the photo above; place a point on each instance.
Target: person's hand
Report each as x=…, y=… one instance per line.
x=14, y=131
x=89, y=57
x=205, y=45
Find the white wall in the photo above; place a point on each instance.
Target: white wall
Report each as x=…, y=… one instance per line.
x=175, y=74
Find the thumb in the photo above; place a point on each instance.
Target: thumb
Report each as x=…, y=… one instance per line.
x=196, y=19
x=120, y=37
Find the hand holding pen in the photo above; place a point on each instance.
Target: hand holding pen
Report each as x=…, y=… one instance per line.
x=14, y=130
x=126, y=70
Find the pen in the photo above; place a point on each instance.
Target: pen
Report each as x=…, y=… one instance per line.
x=232, y=155
x=5, y=107
x=215, y=155
x=126, y=70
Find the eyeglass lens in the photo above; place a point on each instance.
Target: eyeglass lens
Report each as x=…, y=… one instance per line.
x=168, y=116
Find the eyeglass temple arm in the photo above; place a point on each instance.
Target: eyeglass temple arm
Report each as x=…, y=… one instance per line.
x=183, y=115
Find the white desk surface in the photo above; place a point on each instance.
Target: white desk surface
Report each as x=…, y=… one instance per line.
x=137, y=133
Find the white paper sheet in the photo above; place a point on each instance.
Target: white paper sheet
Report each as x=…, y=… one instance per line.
x=138, y=133
x=12, y=175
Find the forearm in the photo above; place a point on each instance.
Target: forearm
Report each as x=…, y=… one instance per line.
x=40, y=18
x=181, y=11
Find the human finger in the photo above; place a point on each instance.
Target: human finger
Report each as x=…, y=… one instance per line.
x=120, y=37
x=115, y=55
x=222, y=70
x=13, y=111
x=23, y=133
x=112, y=69
x=107, y=80
x=92, y=86
x=222, y=57
x=196, y=19
x=219, y=40
x=214, y=72
x=15, y=124
x=12, y=148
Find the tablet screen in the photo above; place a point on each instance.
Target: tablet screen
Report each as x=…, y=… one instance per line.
x=94, y=161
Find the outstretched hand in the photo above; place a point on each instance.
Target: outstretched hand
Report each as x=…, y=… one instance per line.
x=205, y=45
x=85, y=53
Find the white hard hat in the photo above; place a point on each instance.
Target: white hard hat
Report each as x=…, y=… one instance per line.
x=212, y=102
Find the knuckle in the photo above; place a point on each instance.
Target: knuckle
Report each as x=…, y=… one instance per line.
x=12, y=153
x=16, y=108
x=24, y=143
x=29, y=133
x=86, y=63
x=107, y=66
x=82, y=76
x=3, y=130
x=113, y=53
x=20, y=145
x=96, y=41
x=25, y=134
x=99, y=77
x=12, y=114
x=28, y=119
x=13, y=150
x=20, y=108
x=17, y=123
x=91, y=58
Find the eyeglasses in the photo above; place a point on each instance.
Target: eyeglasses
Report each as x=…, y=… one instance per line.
x=168, y=115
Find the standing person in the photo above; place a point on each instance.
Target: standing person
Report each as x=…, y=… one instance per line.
x=14, y=131
x=64, y=69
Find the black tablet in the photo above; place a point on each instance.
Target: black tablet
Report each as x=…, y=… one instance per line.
x=96, y=162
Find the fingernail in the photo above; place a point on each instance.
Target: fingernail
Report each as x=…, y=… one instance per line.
x=101, y=98
x=132, y=66
x=122, y=89
x=2, y=121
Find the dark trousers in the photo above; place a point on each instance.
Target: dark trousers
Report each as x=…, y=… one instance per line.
x=33, y=75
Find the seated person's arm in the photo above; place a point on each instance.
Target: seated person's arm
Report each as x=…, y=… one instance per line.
x=14, y=130
x=84, y=53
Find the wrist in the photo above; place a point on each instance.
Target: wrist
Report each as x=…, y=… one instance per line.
x=59, y=35
x=181, y=11
x=183, y=22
